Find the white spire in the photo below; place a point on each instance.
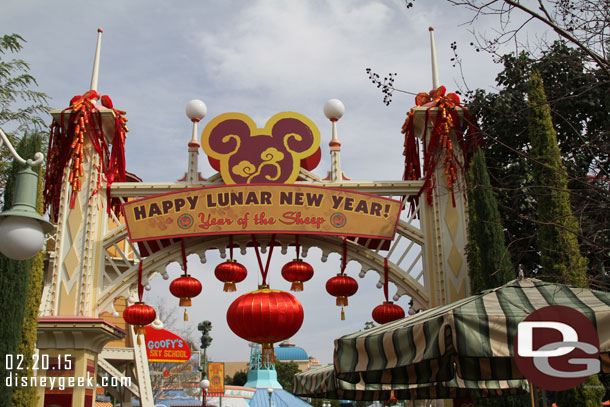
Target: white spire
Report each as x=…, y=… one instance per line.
x=96, y=60
x=435, y=81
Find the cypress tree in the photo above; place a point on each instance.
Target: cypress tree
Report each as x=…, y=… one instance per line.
x=14, y=282
x=489, y=263
x=557, y=227
x=26, y=396
x=488, y=259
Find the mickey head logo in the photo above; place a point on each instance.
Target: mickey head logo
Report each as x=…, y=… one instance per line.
x=247, y=154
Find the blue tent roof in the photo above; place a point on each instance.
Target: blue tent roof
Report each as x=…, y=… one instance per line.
x=279, y=398
x=290, y=353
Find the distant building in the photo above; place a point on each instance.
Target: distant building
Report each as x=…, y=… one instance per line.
x=284, y=352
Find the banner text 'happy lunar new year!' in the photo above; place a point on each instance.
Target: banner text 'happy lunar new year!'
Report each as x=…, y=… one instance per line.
x=262, y=208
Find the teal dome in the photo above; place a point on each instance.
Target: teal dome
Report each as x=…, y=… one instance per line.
x=290, y=353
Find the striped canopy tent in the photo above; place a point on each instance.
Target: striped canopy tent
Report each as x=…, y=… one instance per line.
x=323, y=383
x=472, y=337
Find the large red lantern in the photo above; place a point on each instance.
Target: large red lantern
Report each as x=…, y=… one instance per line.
x=230, y=272
x=139, y=315
x=388, y=312
x=342, y=286
x=297, y=272
x=185, y=287
x=265, y=316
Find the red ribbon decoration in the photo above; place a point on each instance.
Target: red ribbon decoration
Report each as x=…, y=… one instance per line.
x=296, y=244
x=344, y=258
x=231, y=247
x=66, y=147
x=183, y=254
x=385, y=278
x=265, y=270
x=439, y=144
x=140, y=287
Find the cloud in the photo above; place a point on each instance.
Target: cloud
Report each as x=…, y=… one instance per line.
x=298, y=48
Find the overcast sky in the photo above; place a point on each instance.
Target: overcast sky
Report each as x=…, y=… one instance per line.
x=258, y=58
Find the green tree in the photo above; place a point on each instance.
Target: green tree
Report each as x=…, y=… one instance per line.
x=22, y=109
x=488, y=259
x=285, y=373
x=239, y=378
x=589, y=394
x=579, y=99
x=17, y=282
x=26, y=396
x=557, y=227
x=489, y=263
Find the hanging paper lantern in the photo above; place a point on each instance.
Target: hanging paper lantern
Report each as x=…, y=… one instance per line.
x=342, y=286
x=230, y=272
x=297, y=272
x=265, y=316
x=139, y=315
x=185, y=287
x=387, y=312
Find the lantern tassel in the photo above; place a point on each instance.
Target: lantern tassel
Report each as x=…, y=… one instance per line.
x=139, y=340
x=342, y=301
x=229, y=287
x=342, y=314
x=296, y=286
x=186, y=315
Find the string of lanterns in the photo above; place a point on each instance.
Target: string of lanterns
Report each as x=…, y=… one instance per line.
x=264, y=316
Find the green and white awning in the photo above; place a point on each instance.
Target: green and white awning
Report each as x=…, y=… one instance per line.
x=472, y=338
x=322, y=383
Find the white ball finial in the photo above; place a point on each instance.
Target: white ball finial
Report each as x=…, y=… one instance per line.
x=196, y=110
x=334, y=109
x=204, y=384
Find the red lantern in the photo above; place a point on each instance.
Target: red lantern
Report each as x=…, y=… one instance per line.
x=185, y=287
x=297, y=271
x=139, y=315
x=342, y=286
x=230, y=272
x=265, y=316
x=388, y=312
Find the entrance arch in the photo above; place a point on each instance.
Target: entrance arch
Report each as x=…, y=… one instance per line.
x=93, y=262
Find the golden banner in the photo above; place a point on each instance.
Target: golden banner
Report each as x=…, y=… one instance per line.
x=262, y=208
x=216, y=376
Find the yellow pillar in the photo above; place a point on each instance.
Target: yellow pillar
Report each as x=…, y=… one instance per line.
x=67, y=360
x=444, y=226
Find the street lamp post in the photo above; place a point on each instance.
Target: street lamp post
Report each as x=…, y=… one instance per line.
x=270, y=391
x=22, y=229
x=205, y=385
x=205, y=327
